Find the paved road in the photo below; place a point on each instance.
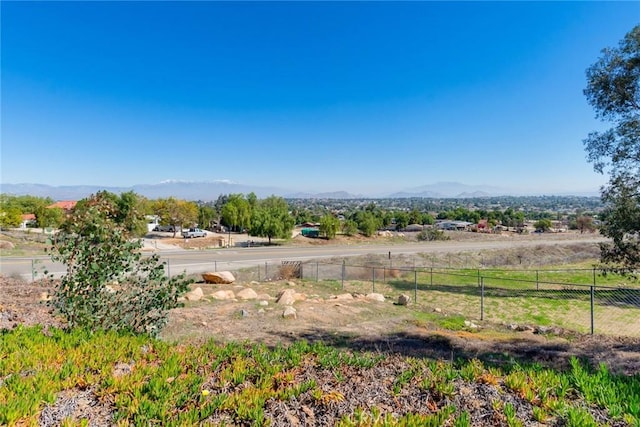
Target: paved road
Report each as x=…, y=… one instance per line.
x=194, y=262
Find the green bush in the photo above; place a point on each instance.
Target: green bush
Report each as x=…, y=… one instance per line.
x=109, y=285
x=430, y=234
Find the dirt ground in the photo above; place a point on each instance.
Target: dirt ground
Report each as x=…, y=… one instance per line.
x=328, y=315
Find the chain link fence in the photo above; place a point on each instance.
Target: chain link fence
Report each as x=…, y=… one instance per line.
x=545, y=298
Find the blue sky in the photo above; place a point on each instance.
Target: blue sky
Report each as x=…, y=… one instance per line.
x=362, y=97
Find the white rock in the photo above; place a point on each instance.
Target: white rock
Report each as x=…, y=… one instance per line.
x=343, y=297
x=375, y=297
x=263, y=303
x=470, y=324
x=194, y=295
x=289, y=313
x=247, y=293
x=254, y=283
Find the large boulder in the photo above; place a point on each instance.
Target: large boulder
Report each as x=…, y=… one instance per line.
x=247, y=293
x=219, y=277
x=289, y=296
x=194, y=295
x=286, y=297
x=375, y=297
x=223, y=295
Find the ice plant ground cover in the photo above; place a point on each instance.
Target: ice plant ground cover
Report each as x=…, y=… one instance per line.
x=45, y=375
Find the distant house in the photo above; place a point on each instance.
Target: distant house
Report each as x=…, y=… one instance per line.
x=28, y=220
x=453, y=225
x=310, y=224
x=66, y=205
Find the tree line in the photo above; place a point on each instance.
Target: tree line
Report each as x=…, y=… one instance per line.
x=273, y=217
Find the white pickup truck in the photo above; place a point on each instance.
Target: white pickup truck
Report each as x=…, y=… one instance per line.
x=193, y=232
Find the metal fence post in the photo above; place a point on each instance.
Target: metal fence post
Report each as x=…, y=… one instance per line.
x=431, y=277
x=215, y=265
x=168, y=268
x=266, y=272
x=537, y=282
x=481, y=298
x=415, y=282
x=384, y=274
x=317, y=268
x=33, y=270
x=593, y=297
x=592, y=301
x=373, y=279
x=343, y=272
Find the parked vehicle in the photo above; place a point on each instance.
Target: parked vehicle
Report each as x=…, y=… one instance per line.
x=168, y=228
x=194, y=232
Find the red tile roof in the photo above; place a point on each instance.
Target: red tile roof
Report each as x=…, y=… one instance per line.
x=28, y=217
x=66, y=205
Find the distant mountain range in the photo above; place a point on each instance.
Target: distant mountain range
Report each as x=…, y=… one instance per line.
x=207, y=191
x=450, y=190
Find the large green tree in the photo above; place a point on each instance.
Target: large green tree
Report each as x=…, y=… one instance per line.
x=206, y=216
x=236, y=212
x=175, y=212
x=613, y=90
x=271, y=219
x=49, y=217
x=10, y=217
x=26, y=204
x=329, y=226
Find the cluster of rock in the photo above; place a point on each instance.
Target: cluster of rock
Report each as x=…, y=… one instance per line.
x=286, y=297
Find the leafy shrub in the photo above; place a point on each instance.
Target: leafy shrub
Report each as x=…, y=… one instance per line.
x=109, y=285
x=430, y=234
